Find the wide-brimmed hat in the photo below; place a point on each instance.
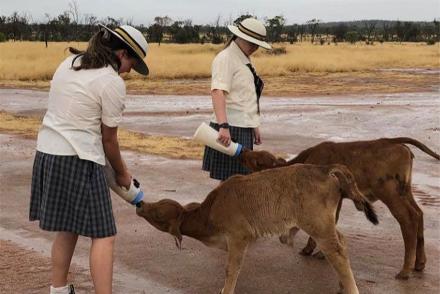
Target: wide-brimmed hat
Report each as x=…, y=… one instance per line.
x=251, y=30
x=134, y=39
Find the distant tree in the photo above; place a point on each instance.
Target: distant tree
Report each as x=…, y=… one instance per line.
x=64, y=27
x=386, y=32
x=90, y=23
x=301, y=31
x=157, y=30
x=75, y=17
x=370, y=31
x=242, y=17
x=292, y=33
x=352, y=37
x=155, y=33
x=340, y=32
x=436, y=30
x=401, y=31
x=184, y=32
x=111, y=22
x=2, y=37
x=18, y=26
x=313, y=26
x=275, y=27
x=215, y=32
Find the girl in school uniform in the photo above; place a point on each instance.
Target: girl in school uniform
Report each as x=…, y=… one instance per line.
x=69, y=193
x=236, y=89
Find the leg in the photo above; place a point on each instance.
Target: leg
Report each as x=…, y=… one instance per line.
x=408, y=220
x=101, y=264
x=335, y=250
x=311, y=244
x=289, y=238
x=420, y=250
x=237, y=250
x=62, y=252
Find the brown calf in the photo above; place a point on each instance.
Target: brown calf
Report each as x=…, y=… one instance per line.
x=382, y=169
x=270, y=202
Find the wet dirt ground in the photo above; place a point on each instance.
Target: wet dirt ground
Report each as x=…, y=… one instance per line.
x=147, y=261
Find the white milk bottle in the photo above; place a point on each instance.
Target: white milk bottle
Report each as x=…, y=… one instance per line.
x=208, y=136
x=133, y=195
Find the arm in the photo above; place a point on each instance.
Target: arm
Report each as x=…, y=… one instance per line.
x=113, y=154
x=219, y=104
x=257, y=136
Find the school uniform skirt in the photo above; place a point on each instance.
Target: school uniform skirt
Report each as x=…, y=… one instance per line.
x=70, y=194
x=221, y=166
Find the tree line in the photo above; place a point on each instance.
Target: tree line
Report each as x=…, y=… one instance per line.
x=72, y=26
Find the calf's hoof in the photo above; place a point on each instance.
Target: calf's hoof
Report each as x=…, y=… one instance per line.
x=283, y=239
x=403, y=275
x=419, y=266
x=319, y=255
x=306, y=251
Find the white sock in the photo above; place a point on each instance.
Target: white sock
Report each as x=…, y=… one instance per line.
x=59, y=290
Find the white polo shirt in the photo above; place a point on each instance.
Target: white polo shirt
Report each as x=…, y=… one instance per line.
x=230, y=74
x=78, y=102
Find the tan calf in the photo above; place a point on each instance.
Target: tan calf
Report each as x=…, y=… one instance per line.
x=270, y=202
x=382, y=169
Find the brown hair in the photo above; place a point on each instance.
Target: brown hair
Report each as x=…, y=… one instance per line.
x=232, y=38
x=100, y=52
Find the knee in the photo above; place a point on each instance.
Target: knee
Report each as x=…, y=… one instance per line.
x=107, y=241
x=416, y=217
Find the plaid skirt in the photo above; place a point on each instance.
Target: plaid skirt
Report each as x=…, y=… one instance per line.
x=221, y=166
x=71, y=194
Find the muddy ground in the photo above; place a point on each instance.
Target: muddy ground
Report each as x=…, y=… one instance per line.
x=147, y=261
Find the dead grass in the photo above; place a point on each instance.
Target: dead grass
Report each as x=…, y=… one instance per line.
x=171, y=147
x=31, y=61
x=305, y=69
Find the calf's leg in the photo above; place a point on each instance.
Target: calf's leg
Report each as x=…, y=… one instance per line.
x=236, y=251
x=408, y=219
x=311, y=244
x=336, y=253
x=420, y=250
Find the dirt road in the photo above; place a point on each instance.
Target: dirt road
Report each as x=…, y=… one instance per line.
x=147, y=260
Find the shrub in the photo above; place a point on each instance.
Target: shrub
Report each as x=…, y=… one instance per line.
x=2, y=37
x=352, y=37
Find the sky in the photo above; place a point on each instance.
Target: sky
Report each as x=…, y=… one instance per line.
x=207, y=11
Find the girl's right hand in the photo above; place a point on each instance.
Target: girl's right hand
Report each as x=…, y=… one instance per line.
x=124, y=180
x=224, y=137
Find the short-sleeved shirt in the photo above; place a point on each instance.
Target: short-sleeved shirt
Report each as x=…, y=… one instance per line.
x=79, y=101
x=231, y=74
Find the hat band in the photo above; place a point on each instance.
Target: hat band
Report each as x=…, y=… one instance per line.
x=251, y=33
x=134, y=45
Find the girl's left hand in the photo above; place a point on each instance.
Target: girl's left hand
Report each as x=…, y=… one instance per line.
x=257, y=136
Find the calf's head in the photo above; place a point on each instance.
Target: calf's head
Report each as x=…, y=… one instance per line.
x=165, y=215
x=259, y=160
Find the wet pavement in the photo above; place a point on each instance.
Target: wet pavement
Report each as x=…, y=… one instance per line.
x=147, y=260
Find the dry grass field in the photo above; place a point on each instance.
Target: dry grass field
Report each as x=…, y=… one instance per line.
x=305, y=69
x=24, y=61
x=171, y=147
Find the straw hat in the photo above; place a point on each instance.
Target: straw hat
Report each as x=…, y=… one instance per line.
x=251, y=30
x=136, y=41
